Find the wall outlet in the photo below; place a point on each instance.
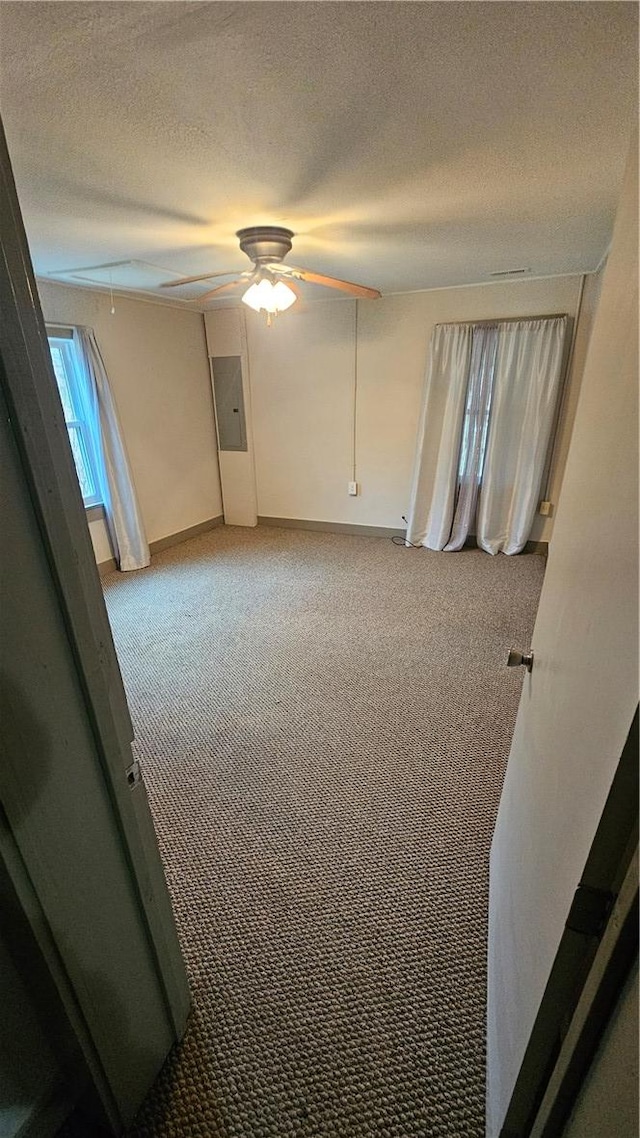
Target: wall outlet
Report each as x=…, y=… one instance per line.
x=545, y=508
x=353, y=489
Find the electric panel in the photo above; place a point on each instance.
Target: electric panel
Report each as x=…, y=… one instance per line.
x=228, y=395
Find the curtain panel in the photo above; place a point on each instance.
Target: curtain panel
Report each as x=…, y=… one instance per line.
x=490, y=398
x=526, y=384
x=433, y=492
x=122, y=512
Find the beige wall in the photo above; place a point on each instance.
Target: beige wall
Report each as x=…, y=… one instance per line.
x=300, y=386
x=543, y=526
x=156, y=359
x=302, y=375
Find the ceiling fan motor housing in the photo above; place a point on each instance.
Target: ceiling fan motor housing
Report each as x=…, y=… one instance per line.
x=265, y=243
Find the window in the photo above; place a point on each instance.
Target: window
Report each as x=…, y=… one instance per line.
x=69, y=376
x=475, y=424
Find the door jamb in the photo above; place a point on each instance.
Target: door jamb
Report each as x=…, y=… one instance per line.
x=600, y=911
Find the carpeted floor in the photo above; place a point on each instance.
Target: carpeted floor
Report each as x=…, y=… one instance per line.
x=323, y=723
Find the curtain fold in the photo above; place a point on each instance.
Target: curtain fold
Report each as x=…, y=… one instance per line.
x=435, y=477
x=122, y=512
x=525, y=394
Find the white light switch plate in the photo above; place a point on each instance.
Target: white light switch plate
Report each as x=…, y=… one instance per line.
x=353, y=489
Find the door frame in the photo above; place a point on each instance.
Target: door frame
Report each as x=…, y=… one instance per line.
x=38, y=427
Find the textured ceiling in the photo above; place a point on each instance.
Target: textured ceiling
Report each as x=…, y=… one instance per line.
x=408, y=145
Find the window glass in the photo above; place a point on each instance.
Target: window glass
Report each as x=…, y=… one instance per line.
x=61, y=376
x=69, y=376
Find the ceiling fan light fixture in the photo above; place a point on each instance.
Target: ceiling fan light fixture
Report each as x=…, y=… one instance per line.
x=267, y=246
x=267, y=296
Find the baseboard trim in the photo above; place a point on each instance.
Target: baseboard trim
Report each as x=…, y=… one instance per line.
x=331, y=527
x=541, y=547
x=185, y=534
x=106, y=567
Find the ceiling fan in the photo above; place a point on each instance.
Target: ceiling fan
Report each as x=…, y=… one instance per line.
x=271, y=284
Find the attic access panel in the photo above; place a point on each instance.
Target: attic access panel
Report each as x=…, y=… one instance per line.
x=129, y=276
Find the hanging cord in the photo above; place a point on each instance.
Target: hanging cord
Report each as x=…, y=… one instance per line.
x=403, y=541
x=354, y=440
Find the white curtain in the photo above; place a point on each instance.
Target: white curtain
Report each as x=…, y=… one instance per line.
x=490, y=398
x=435, y=479
x=122, y=512
x=525, y=395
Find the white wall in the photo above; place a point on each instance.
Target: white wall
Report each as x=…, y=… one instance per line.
x=302, y=375
x=156, y=359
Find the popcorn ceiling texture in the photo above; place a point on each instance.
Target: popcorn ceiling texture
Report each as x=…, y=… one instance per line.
x=408, y=145
x=323, y=723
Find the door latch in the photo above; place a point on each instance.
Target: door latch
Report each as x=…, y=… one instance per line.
x=134, y=774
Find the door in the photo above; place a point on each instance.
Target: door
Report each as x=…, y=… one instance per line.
x=79, y=863
x=578, y=703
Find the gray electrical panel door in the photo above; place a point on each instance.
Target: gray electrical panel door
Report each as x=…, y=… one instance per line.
x=227, y=390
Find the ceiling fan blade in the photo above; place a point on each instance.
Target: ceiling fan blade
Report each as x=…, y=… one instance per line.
x=334, y=282
x=219, y=288
x=204, y=277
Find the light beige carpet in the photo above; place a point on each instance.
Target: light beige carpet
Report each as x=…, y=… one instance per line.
x=323, y=723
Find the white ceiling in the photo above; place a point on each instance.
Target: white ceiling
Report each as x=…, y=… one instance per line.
x=408, y=145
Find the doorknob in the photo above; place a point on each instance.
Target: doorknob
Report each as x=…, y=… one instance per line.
x=515, y=659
